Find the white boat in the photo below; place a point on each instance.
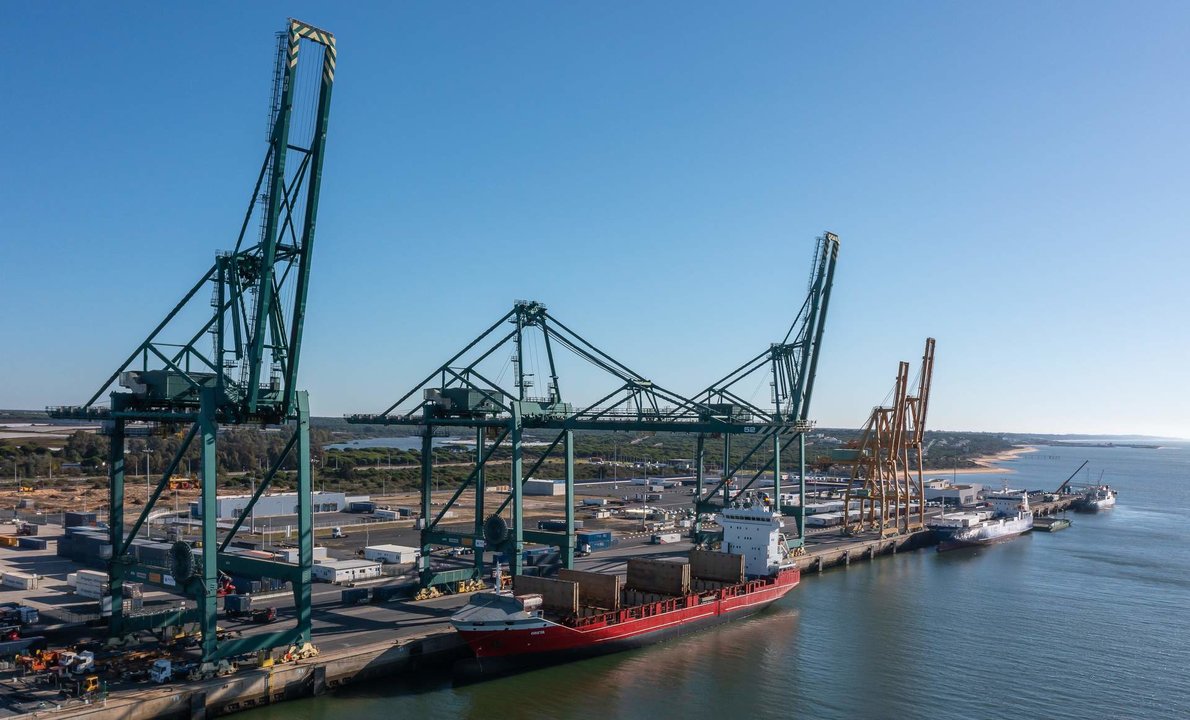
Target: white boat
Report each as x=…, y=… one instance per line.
x=1008, y=517
x=1100, y=497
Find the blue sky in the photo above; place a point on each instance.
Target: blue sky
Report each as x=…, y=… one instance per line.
x=1009, y=178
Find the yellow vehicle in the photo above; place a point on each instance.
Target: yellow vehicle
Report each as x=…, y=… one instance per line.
x=86, y=686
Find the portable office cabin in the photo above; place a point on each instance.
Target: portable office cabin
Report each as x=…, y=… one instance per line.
x=340, y=571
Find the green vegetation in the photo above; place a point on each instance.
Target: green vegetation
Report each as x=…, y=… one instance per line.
x=245, y=454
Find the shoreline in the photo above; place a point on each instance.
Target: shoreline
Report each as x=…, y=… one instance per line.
x=988, y=464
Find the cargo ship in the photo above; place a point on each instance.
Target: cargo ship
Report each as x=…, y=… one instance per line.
x=580, y=614
x=1008, y=517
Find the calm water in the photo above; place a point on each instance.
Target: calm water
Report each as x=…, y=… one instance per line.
x=1090, y=622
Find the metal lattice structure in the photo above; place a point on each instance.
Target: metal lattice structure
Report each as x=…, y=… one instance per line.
x=887, y=475
x=464, y=393
x=792, y=365
x=248, y=375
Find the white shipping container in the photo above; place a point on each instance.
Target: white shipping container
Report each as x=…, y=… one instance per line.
x=93, y=592
x=20, y=580
x=387, y=514
x=290, y=555
x=72, y=580
x=824, y=519
x=85, y=575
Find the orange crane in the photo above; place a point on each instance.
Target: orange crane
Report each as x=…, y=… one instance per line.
x=887, y=477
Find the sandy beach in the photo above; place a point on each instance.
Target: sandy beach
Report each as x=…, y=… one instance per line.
x=988, y=464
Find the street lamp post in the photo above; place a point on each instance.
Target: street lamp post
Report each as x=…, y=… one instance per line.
x=148, y=452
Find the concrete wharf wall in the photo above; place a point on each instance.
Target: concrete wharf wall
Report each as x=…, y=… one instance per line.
x=250, y=688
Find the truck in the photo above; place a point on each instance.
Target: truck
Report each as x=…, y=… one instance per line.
x=19, y=615
x=665, y=538
x=337, y=533
x=163, y=670
x=595, y=502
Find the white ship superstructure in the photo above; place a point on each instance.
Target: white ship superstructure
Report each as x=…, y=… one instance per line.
x=1008, y=517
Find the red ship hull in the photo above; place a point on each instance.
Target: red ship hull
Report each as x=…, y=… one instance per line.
x=544, y=641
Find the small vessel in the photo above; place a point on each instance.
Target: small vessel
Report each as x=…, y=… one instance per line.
x=1050, y=524
x=580, y=614
x=1096, y=498
x=1008, y=517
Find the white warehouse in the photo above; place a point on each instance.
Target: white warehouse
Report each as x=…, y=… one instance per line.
x=230, y=507
x=544, y=487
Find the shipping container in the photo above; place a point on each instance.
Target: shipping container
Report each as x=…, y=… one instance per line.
x=385, y=593
x=387, y=514
x=355, y=596
x=555, y=525
x=595, y=539
x=32, y=543
x=76, y=519
x=234, y=605
x=665, y=538
x=20, y=580
x=361, y=507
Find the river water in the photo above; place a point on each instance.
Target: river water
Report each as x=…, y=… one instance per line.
x=1089, y=622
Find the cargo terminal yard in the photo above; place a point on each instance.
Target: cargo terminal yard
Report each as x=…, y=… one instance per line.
x=192, y=599
x=363, y=630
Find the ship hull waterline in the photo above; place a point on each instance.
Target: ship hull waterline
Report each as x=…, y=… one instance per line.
x=504, y=652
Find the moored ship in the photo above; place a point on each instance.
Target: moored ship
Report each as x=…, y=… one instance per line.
x=1008, y=517
x=580, y=614
x=1099, y=497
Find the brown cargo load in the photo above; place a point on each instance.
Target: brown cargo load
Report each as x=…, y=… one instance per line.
x=659, y=576
x=557, y=595
x=595, y=589
x=717, y=566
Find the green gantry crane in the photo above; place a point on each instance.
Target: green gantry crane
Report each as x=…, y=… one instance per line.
x=792, y=364
x=474, y=391
x=247, y=376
